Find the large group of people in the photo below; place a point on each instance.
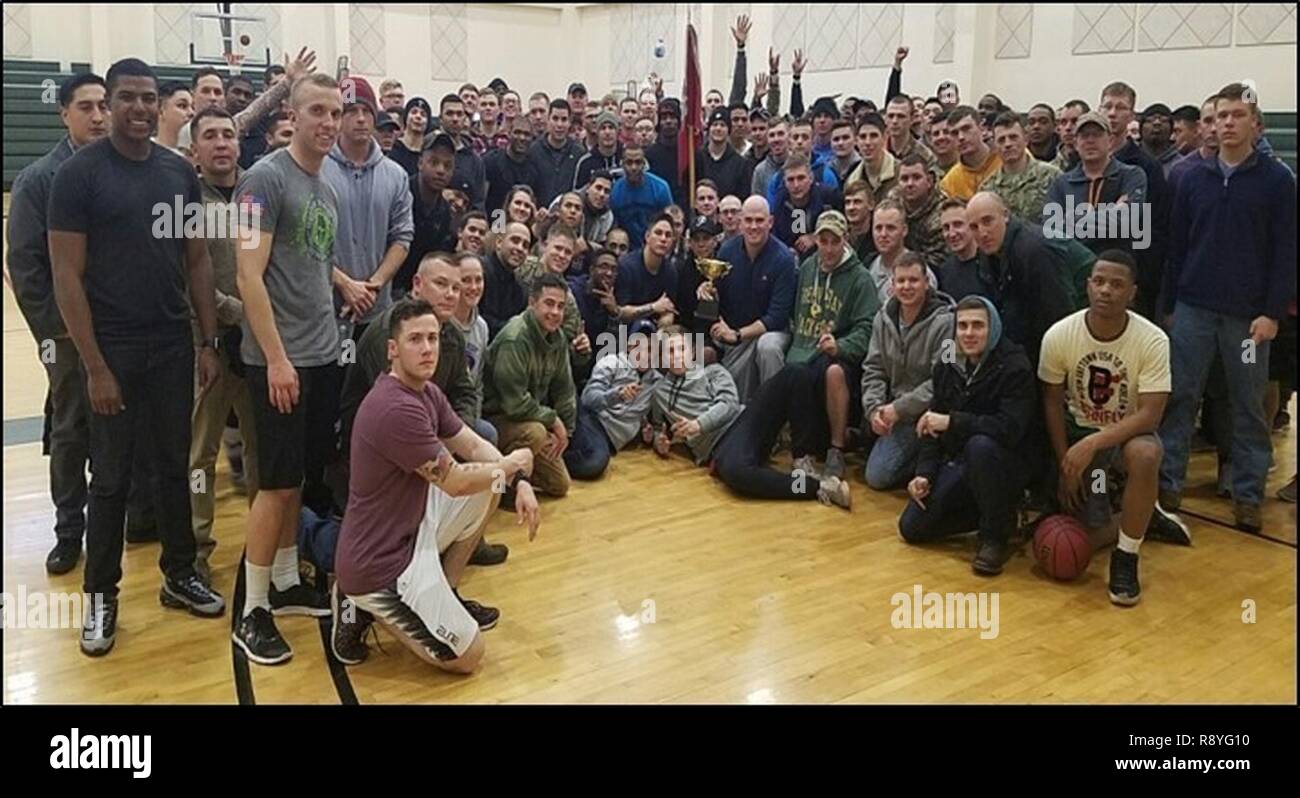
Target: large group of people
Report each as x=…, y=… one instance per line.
x=429, y=310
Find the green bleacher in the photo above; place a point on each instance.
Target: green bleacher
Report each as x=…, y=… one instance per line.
x=32, y=127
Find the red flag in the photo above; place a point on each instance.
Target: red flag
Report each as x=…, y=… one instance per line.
x=692, y=101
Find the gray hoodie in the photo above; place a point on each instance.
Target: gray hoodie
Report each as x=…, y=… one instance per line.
x=704, y=393
x=374, y=214
x=900, y=364
x=620, y=419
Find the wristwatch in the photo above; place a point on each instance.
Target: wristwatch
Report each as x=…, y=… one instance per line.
x=211, y=343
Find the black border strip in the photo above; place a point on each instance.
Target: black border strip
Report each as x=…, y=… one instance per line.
x=239, y=661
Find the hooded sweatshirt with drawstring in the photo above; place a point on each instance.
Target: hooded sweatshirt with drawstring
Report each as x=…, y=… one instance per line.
x=374, y=213
x=846, y=300
x=994, y=396
x=900, y=361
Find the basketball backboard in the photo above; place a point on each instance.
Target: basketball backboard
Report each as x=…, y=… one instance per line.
x=214, y=35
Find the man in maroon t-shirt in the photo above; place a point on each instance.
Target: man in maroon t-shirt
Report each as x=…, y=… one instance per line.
x=414, y=514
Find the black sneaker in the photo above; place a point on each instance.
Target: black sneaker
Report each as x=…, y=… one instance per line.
x=99, y=628
x=260, y=640
x=1124, y=587
x=487, y=617
x=299, y=600
x=489, y=553
x=348, y=635
x=63, y=557
x=193, y=594
x=990, y=557
x=1168, y=528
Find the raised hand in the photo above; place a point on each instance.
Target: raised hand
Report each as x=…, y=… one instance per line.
x=760, y=86
x=773, y=62
x=796, y=68
x=741, y=29
x=900, y=55
x=301, y=66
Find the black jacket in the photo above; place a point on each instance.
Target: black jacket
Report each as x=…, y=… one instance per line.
x=732, y=172
x=555, y=168
x=1029, y=278
x=1151, y=261
x=999, y=400
x=504, y=173
x=503, y=296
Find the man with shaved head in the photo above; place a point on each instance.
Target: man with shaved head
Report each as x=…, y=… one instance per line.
x=755, y=300
x=1032, y=274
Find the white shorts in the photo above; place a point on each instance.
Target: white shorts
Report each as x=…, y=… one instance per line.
x=421, y=606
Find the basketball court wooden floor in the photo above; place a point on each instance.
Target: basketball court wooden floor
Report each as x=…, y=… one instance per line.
x=654, y=584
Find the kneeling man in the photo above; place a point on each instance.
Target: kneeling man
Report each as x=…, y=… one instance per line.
x=414, y=514
x=1110, y=368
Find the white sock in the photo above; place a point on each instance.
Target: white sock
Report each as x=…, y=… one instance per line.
x=284, y=573
x=1128, y=544
x=257, y=582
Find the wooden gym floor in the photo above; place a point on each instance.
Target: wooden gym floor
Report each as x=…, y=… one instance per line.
x=655, y=584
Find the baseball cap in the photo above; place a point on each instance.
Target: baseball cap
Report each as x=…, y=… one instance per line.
x=1157, y=109
x=577, y=88
x=703, y=225
x=438, y=139
x=386, y=122
x=833, y=221
x=1092, y=118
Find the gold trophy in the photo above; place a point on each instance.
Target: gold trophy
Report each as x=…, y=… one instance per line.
x=712, y=270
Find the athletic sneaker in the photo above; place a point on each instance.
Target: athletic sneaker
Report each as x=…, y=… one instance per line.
x=99, y=629
x=486, y=617
x=299, y=600
x=834, y=463
x=806, y=464
x=1247, y=517
x=193, y=594
x=348, y=635
x=63, y=557
x=257, y=636
x=1171, y=500
x=489, y=553
x=1124, y=587
x=835, y=491
x=1168, y=528
x=990, y=557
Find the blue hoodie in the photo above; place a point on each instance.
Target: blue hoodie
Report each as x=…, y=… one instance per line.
x=1233, y=243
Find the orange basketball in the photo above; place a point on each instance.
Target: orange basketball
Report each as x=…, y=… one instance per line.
x=1061, y=547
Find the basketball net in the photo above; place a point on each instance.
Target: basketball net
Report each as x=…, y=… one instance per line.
x=235, y=62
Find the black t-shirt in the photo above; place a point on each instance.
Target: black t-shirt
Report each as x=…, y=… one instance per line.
x=135, y=259
x=408, y=158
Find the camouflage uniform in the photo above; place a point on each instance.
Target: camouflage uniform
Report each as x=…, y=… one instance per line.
x=1024, y=193
x=572, y=326
x=924, y=230
x=931, y=162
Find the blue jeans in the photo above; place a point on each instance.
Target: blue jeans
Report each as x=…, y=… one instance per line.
x=484, y=429
x=588, y=454
x=892, y=461
x=1196, y=337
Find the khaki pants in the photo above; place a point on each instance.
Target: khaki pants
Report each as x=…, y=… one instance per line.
x=210, y=413
x=549, y=474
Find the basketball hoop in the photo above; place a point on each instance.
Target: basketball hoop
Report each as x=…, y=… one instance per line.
x=235, y=62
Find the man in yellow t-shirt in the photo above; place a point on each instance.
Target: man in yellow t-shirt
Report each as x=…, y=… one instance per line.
x=977, y=161
x=1109, y=368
